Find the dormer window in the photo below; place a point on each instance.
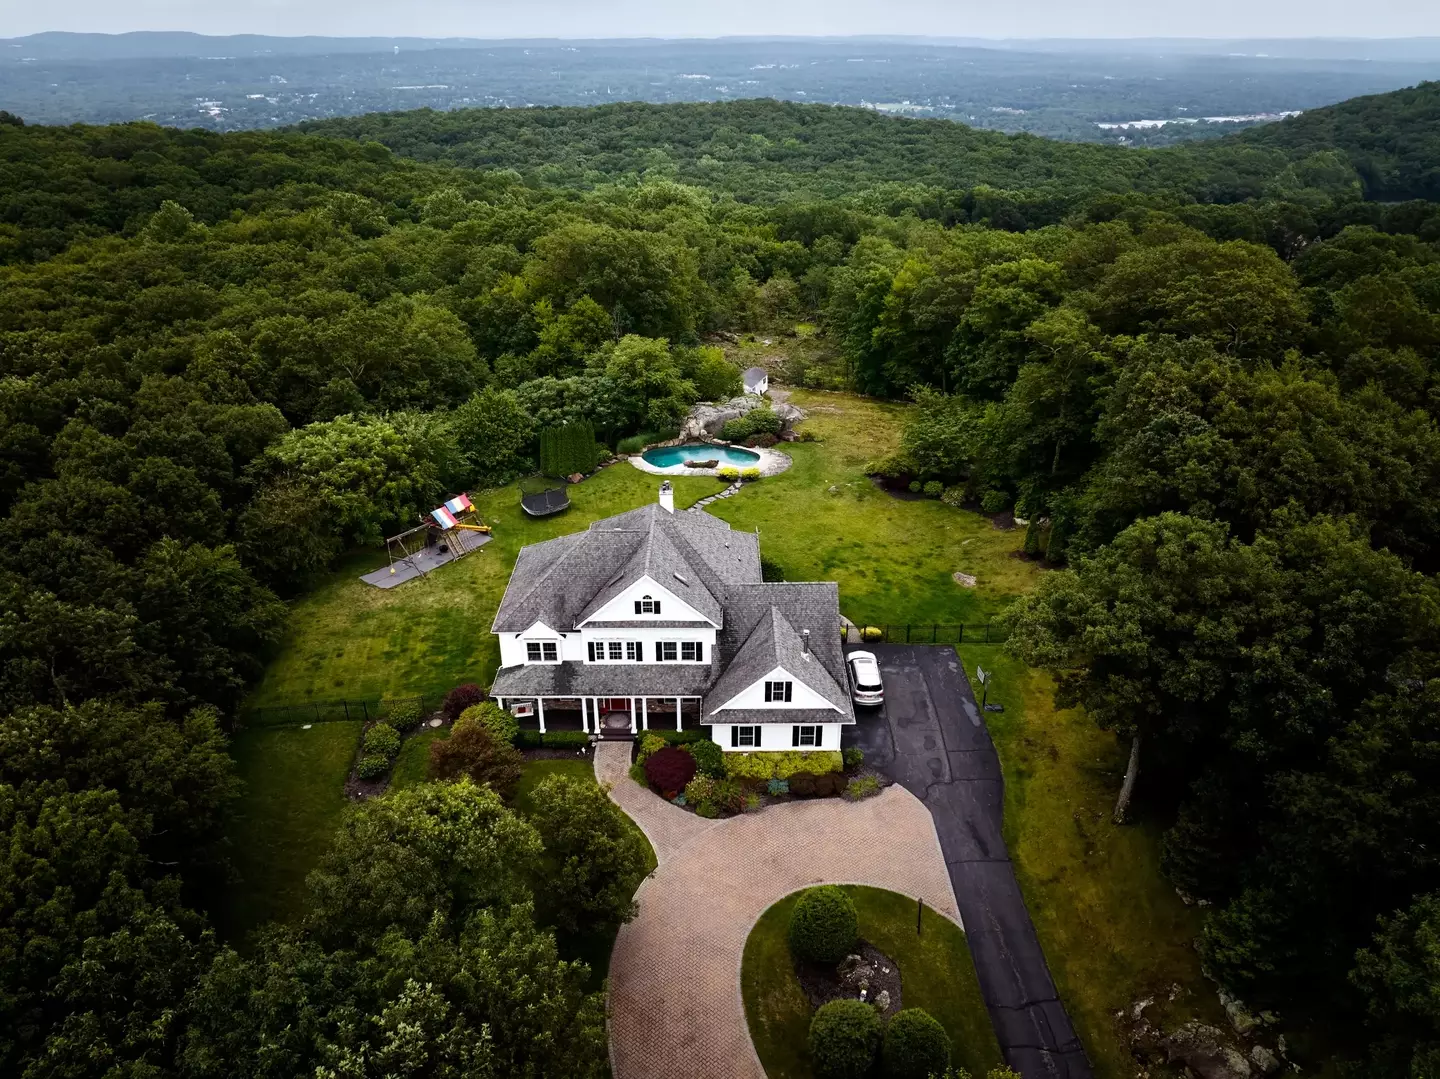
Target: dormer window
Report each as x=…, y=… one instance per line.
x=541, y=652
x=646, y=605
x=777, y=692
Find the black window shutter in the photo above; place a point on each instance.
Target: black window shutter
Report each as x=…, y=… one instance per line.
x=768, y=688
x=637, y=606
x=699, y=651
x=592, y=651
x=787, y=692
x=655, y=607
x=794, y=736
x=734, y=737
x=640, y=651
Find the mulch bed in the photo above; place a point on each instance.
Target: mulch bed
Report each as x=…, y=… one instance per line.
x=822, y=984
x=903, y=493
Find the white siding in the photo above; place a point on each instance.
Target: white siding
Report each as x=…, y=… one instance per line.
x=775, y=737
x=650, y=638
x=801, y=695
x=512, y=645
x=672, y=604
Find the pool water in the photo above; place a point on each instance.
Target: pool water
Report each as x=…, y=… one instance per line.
x=668, y=456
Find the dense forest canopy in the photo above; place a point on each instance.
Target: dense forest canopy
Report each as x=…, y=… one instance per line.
x=1207, y=376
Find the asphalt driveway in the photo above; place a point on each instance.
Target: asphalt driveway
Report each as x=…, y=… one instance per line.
x=930, y=738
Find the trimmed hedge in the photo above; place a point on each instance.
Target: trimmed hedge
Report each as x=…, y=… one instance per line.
x=552, y=740
x=844, y=1039
x=764, y=766
x=824, y=925
x=916, y=1046
x=403, y=715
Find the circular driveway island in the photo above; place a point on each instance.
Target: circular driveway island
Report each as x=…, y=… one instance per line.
x=675, y=1005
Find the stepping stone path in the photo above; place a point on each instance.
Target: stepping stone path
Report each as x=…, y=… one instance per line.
x=734, y=487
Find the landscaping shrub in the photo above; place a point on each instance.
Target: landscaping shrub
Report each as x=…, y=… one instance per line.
x=916, y=1046
x=568, y=448
x=763, y=766
x=749, y=475
x=461, y=698
x=473, y=750
x=934, y=489
x=993, y=501
x=502, y=724
x=871, y=633
x=637, y=773
x=729, y=474
x=403, y=715
x=809, y=785
x=709, y=757
x=680, y=738
x=862, y=787
x=852, y=757
x=384, y=740
x=669, y=770
x=778, y=786
x=953, y=496
x=893, y=467
x=806, y=435
x=372, y=767
x=824, y=925
x=844, y=1039
x=916, y=487
x=633, y=444
x=725, y=794
x=706, y=809
x=752, y=803
x=1032, y=539
x=761, y=441
x=650, y=742
x=565, y=740
x=758, y=421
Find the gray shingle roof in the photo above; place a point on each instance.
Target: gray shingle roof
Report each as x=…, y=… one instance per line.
x=560, y=581
x=603, y=680
x=747, y=716
x=753, y=374
x=762, y=632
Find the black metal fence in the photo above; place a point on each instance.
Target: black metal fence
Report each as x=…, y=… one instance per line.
x=929, y=633
x=354, y=709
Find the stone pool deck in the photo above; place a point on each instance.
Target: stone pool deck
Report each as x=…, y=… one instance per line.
x=771, y=463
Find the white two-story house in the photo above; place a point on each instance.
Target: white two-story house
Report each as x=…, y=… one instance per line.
x=657, y=618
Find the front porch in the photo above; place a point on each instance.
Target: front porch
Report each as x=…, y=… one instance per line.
x=604, y=715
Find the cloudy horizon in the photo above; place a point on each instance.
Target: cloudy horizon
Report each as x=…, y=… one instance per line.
x=647, y=18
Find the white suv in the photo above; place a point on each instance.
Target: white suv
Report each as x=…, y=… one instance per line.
x=865, y=684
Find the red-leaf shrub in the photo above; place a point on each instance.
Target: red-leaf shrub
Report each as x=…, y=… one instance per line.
x=461, y=698
x=669, y=770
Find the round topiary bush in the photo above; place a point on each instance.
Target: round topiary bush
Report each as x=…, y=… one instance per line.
x=669, y=770
x=382, y=740
x=372, y=767
x=823, y=925
x=403, y=715
x=916, y=1046
x=844, y=1039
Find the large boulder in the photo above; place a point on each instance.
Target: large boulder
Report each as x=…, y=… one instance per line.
x=1206, y=1051
x=707, y=419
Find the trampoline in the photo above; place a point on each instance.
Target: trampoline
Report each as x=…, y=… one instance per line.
x=546, y=502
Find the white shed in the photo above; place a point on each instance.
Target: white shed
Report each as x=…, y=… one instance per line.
x=756, y=380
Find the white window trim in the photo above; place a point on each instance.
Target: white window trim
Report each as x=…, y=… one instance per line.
x=797, y=740
x=601, y=646
x=542, y=645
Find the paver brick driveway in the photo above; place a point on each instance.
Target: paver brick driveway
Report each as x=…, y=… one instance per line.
x=675, y=1005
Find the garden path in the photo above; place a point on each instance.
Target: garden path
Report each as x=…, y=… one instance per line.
x=675, y=1005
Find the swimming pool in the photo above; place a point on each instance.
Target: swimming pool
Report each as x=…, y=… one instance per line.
x=669, y=456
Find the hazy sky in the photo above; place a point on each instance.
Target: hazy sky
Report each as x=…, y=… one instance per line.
x=666, y=18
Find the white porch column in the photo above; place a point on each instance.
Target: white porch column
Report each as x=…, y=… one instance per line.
x=677, y=713
x=540, y=711
x=644, y=713
x=585, y=714
x=632, y=715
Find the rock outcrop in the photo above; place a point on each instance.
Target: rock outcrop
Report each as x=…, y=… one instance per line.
x=705, y=420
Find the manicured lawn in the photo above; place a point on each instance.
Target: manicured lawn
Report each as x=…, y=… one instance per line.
x=1113, y=930
x=823, y=520
x=935, y=974
x=293, y=800
x=349, y=640
x=412, y=765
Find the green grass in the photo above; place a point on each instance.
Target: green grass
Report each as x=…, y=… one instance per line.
x=823, y=520
x=347, y=639
x=935, y=974
x=413, y=764
x=1112, y=928
x=293, y=800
